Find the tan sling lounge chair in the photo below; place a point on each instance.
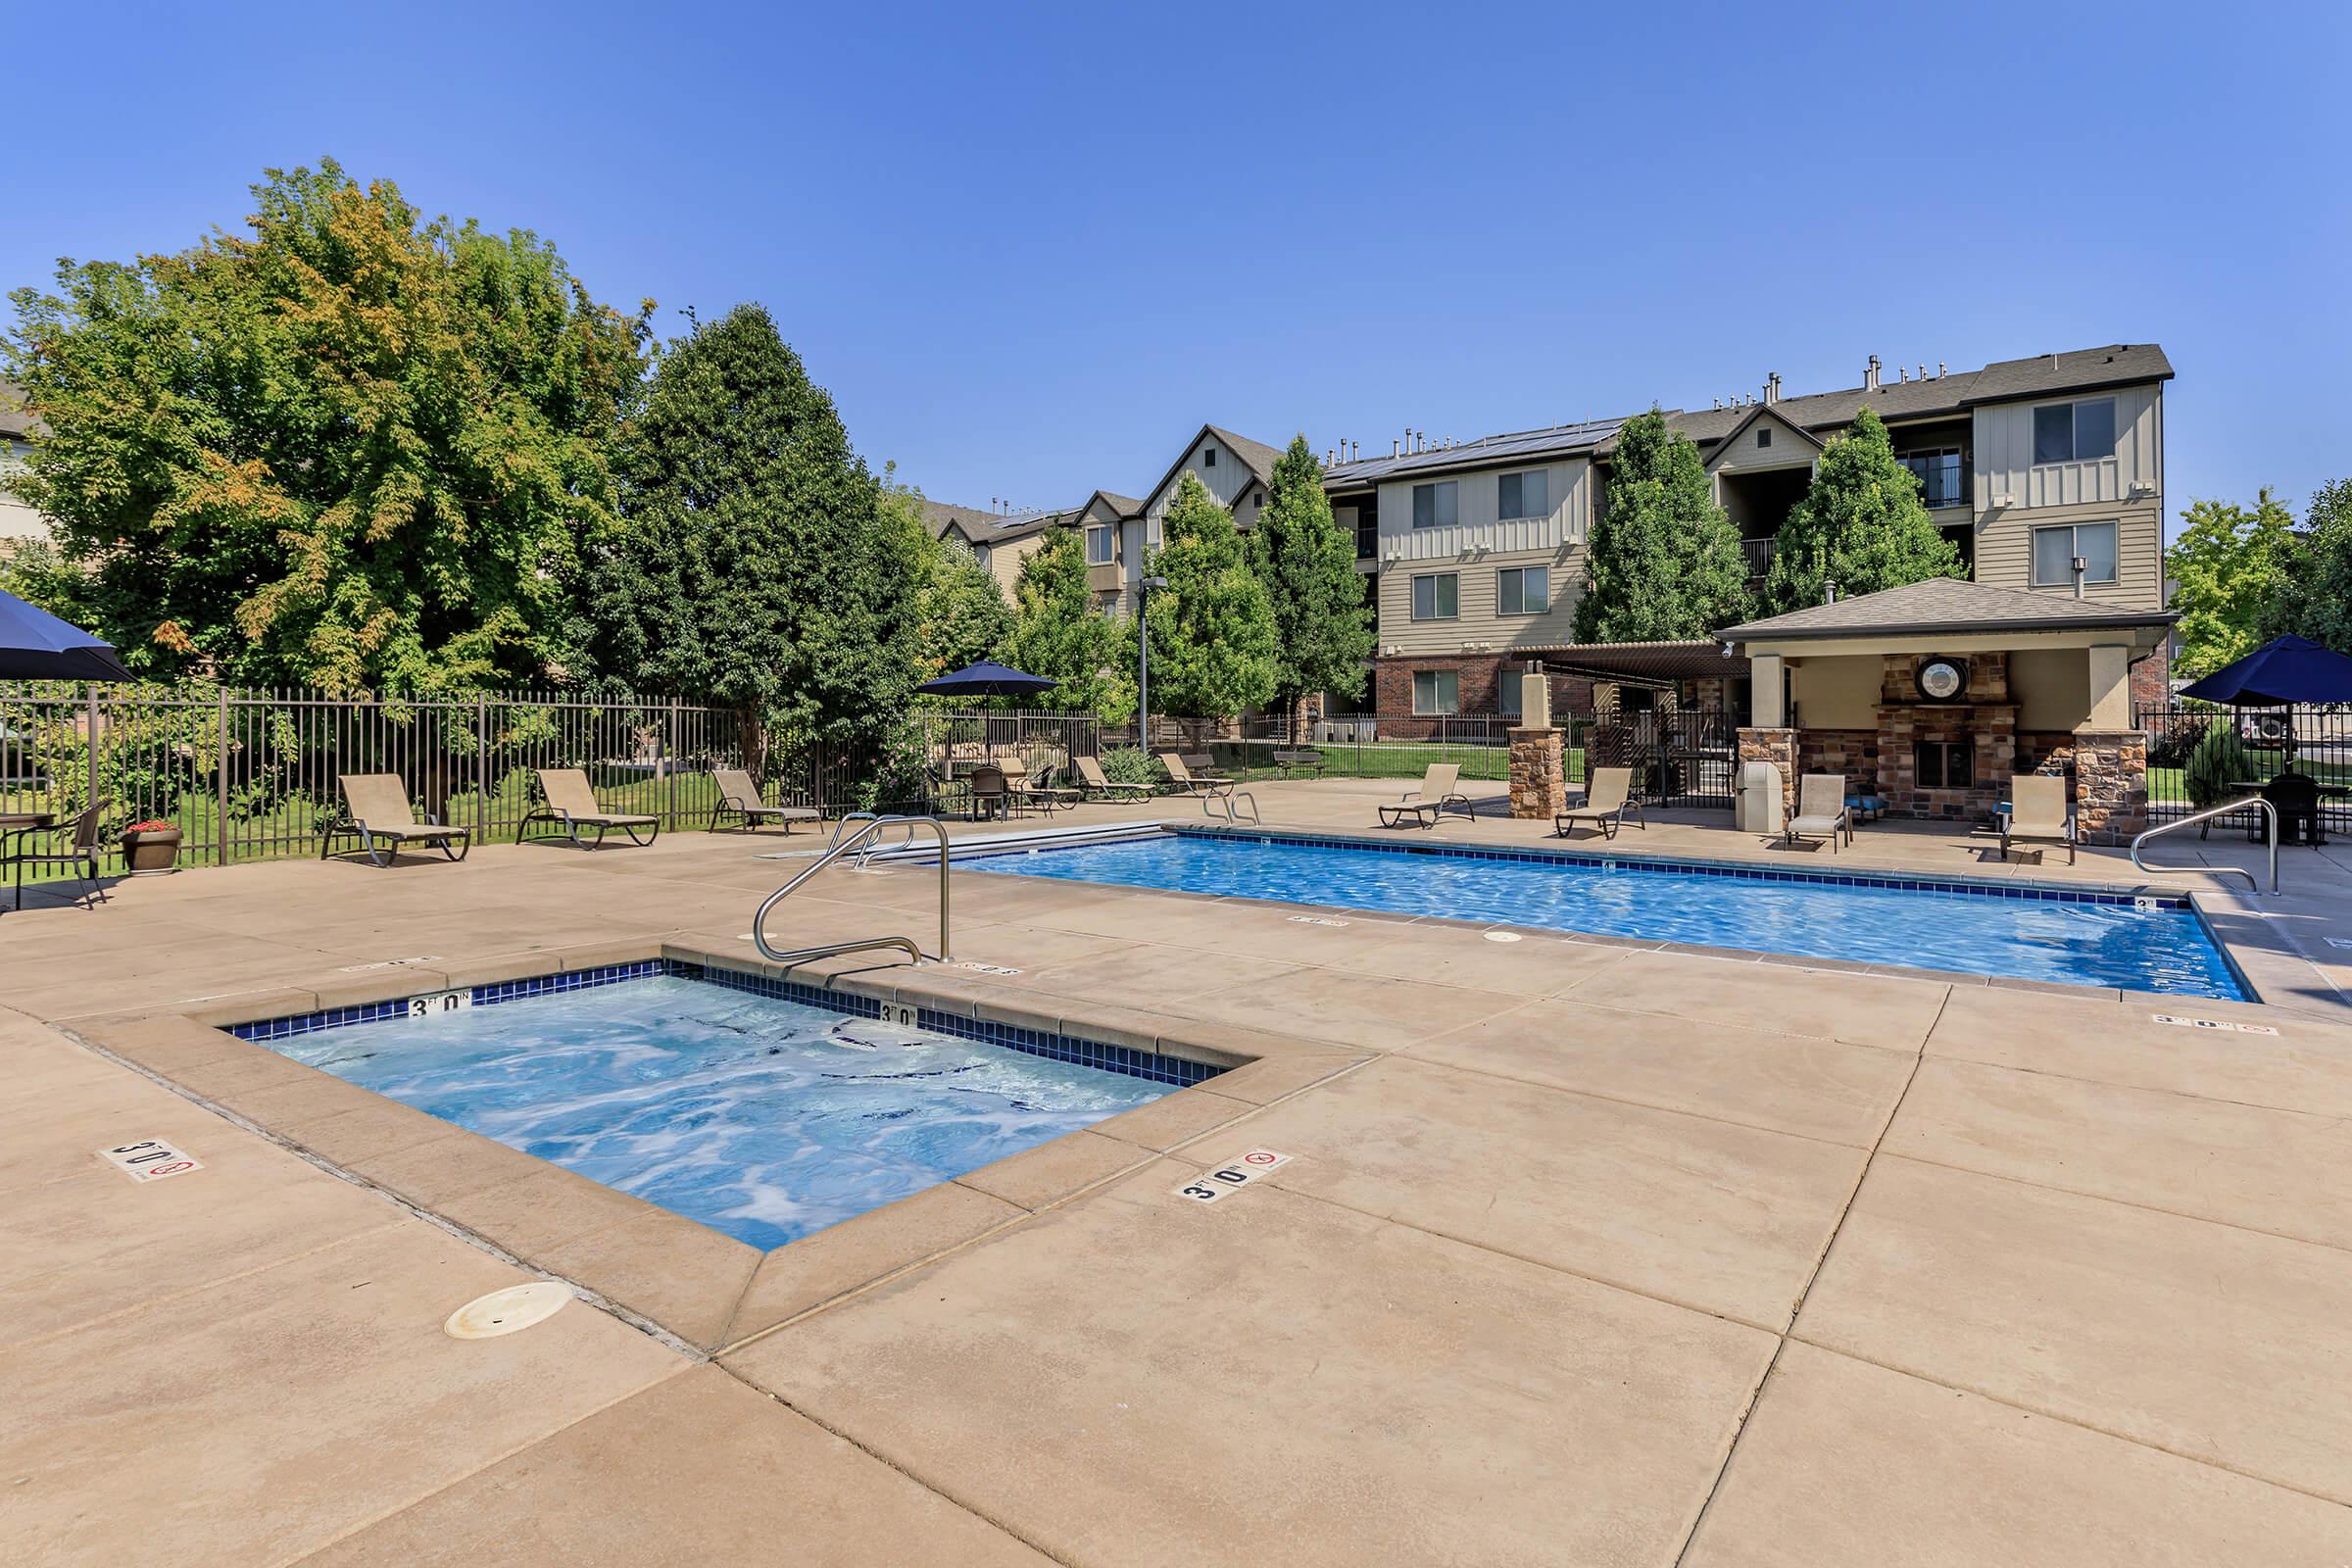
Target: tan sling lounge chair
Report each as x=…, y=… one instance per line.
x=1820, y=811
x=1184, y=778
x=2039, y=811
x=740, y=798
x=572, y=805
x=1423, y=807
x=378, y=812
x=1097, y=785
x=1607, y=804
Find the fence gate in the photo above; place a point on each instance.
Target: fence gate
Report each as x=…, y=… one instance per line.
x=1680, y=756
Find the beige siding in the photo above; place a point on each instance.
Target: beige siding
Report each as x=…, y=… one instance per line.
x=2005, y=466
x=1837, y=693
x=1568, y=523
x=16, y=520
x=2052, y=687
x=1226, y=481
x=2006, y=553
x=1479, y=623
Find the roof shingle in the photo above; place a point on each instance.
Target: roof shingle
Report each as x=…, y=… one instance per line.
x=1944, y=604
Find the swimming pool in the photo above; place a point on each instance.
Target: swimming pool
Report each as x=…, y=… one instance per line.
x=759, y=1116
x=2079, y=938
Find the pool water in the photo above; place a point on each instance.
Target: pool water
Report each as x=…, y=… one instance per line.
x=2075, y=940
x=762, y=1118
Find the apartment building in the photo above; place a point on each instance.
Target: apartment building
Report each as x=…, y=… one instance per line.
x=999, y=541
x=17, y=427
x=2030, y=465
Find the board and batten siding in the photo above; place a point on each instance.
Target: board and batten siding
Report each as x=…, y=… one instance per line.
x=1569, y=522
x=2006, y=553
x=1477, y=548
x=2004, y=454
x=1479, y=621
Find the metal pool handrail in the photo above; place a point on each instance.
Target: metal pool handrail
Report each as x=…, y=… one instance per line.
x=838, y=849
x=2207, y=815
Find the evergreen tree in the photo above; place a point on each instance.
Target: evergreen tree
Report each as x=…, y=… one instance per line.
x=1214, y=645
x=1665, y=560
x=2312, y=594
x=351, y=447
x=1056, y=631
x=1322, y=631
x=758, y=567
x=1861, y=526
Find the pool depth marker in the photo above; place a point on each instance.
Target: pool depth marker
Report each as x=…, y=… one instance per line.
x=1231, y=1177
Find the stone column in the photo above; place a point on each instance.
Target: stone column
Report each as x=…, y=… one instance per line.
x=1538, y=781
x=1777, y=746
x=2111, y=784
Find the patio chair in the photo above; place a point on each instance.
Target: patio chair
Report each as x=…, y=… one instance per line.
x=740, y=798
x=1820, y=810
x=1038, y=789
x=1426, y=806
x=1181, y=775
x=2039, y=811
x=1095, y=785
x=80, y=848
x=991, y=795
x=2295, y=797
x=378, y=810
x=571, y=805
x=1608, y=802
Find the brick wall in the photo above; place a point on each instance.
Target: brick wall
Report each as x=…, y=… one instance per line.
x=1851, y=752
x=2152, y=679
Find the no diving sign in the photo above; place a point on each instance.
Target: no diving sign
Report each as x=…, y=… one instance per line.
x=150, y=1160
x=1218, y=1180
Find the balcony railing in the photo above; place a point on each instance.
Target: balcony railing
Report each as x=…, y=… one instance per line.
x=1759, y=556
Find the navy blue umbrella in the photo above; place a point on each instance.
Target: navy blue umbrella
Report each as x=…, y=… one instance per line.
x=35, y=645
x=2287, y=670
x=987, y=678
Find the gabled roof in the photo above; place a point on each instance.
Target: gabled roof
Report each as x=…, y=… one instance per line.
x=1756, y=414
x=1123, y=508
x=1257, y=457
x=1945, y=604
x=984, y=527
x=15, y=420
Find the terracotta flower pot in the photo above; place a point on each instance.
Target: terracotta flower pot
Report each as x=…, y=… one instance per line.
x=149, y=850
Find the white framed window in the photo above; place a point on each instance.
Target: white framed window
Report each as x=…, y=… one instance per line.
x=1436, y=506
x=1523, y=495
x=1437, y=596
x=1522, y=590
x=2055, y=550
x=2075, y=432
x=1100, y=544
x=1436, y=691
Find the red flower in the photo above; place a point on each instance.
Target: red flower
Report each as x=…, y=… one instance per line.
x=151, y=827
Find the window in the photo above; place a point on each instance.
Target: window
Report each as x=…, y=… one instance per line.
x=1763, y=435
x=1944, y=764
x=1208, y=456
x=1437, y=596
x=2055, y=549
x=1523, y=495
x=1522, y=591
x=1939, y=475
x=2075, y=432
x=1099, y=547
x=1506, y=690
x=1436, y=506
x=1436, y=691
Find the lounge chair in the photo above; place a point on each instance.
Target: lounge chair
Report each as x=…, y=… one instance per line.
x=1820, y=811
x=1181, y=775
x=81, y=848
x=1425, y=805
x=1039, y=789
x=2039, y=811
x=740, y=798
x=1095, y=785
x=571, y=805
x=1607, y=803
x=377, y=810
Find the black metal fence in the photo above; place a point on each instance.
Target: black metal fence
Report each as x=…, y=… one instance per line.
x=2200, y=755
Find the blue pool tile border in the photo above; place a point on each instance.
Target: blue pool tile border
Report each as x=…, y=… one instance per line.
x=1178, y=1071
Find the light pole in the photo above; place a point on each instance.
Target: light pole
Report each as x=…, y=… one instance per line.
x=1142, y=657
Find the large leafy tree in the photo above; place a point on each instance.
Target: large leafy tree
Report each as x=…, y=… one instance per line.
x=350, y=445
x=1664, y=560
x=1057, y=633
x=2227, y=566
x=757, y=565
x=2312, y=596
x=1214, y=649
x=1861, y=526
x=1322, y=631
x=960, y=614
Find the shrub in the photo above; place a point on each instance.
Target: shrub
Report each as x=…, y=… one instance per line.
x=1130, y=765
x=2218, y=758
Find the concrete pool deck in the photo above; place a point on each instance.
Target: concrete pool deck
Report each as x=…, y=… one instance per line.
x=1586, y=1252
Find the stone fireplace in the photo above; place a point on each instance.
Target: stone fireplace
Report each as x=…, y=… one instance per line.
x=1928, y=748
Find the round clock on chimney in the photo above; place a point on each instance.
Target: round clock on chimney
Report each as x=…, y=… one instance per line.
x=1941, y=680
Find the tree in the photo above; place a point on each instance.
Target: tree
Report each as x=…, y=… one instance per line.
x=1665, y=560
x=757, y=564
x=1861, y=526
x=1306, y=562
x=352, y=448
x=1057, y=633
x=2225, y=566
x=960, y=614
x=1214, y=649
x=2312, y=596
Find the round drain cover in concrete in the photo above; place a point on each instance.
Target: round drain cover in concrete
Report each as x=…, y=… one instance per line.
x=1502, y=936
x=517, y=1306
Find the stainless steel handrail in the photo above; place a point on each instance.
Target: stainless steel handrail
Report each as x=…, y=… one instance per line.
x=840, y=848
x=875, y=848
x=2207, y=815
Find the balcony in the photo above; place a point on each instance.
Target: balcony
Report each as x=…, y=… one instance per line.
x=1942, y=478
x=1103, y=576
x=1759, y=556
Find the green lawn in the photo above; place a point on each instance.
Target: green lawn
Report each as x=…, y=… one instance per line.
x=1405, y=759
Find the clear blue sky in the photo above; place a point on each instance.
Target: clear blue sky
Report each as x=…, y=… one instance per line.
x=1030, y=248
